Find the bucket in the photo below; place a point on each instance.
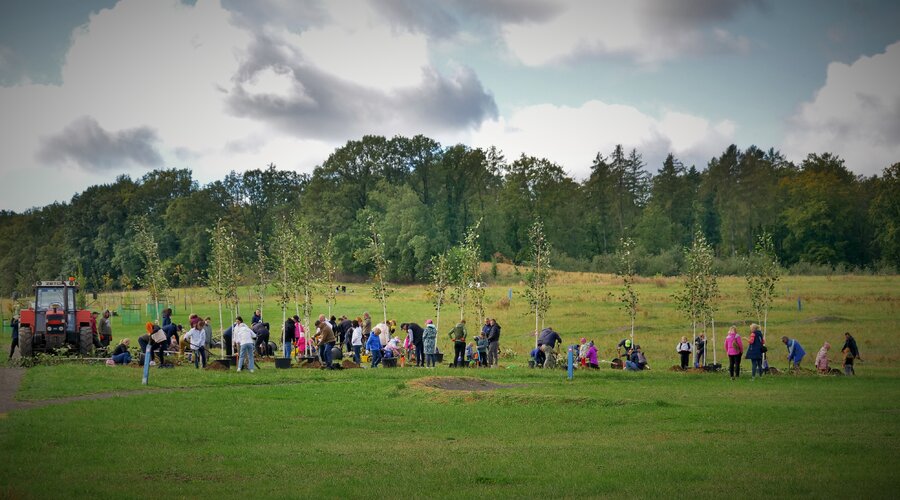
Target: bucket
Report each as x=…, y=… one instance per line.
x=439, y=357
x=283, y=362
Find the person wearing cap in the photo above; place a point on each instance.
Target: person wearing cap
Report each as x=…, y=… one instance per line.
x=624, y=345
x=429, y=343
x=14, y=324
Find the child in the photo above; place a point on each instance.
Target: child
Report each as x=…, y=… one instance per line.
x=848, y=363
x=482, y=349
x=684, y=350
x=197, y=339
x=582, y=352
x=822, y=359
x=591, y=355
x=471, y=352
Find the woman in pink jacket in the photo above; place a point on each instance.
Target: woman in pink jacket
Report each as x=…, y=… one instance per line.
x=734, y=347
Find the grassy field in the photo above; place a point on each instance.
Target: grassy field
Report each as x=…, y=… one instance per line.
x=364, y=433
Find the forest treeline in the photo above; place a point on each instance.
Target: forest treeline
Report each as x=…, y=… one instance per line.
x=423, y=196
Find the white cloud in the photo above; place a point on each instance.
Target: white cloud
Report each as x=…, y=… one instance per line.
x=856, y=114
x=173, y=69
x=572, y=137
x=645, y=31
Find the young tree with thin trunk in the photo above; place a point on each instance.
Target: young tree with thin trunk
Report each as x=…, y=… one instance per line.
x=696, y=300
x=440, y=281
x=329, y=273
x=284, y=248
x=154, y=277
x=472, y=252
x=763, y=273
x=301, y=271
x=374, y=254
x=538, y=278
x=262, y=275
x=221, y=273
x=626, y=272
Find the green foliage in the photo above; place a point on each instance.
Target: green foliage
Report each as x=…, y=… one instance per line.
x=700, y=285
x=626, y=272
x=153, y=277
x=440, y=278
x=538, y=277
x=763, y=273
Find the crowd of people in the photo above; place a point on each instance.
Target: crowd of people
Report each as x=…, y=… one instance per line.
x=380, y=345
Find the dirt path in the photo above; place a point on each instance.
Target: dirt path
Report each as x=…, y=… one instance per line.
x=11, y=379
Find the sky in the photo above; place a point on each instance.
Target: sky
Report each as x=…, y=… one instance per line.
x=94, y=89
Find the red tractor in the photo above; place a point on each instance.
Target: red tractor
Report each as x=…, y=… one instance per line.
x=54, y=321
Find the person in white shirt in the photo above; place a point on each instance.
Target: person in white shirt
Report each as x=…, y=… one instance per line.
x=356, y=341
x=246, y=339
x=197, y=337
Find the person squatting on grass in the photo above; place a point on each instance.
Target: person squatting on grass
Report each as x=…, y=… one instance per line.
x=429, y=342
x=734, y=347
x=197, y=337
x=636, y=359
x=795, y=352
x=684, y=350
x=120, y=355
x=245, y=339
x=755, y=349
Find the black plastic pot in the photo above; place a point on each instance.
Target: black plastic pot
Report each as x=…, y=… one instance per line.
x=282, y=362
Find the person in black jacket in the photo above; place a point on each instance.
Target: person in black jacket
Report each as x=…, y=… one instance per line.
x=262, y=339
x=418, y=340
x=493, y=356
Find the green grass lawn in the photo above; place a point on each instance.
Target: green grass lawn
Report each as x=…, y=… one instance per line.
x=362, y=433
x=377, y=433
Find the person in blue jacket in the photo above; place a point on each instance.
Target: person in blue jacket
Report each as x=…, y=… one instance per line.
x=374, y=346
x=795, y=352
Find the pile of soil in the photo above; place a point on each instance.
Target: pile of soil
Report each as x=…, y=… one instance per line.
x=349, y=364
x=312, y=364
x=217, y=367
x=462, y=384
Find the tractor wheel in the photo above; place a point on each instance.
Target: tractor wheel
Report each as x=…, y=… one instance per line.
x=86, y=341
x=26, y=340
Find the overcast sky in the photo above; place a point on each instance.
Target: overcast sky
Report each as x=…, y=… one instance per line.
x=92, y=89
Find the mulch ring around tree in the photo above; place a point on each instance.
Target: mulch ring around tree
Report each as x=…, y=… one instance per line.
x=461, y=384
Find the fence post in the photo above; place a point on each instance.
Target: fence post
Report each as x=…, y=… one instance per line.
x=146, y=378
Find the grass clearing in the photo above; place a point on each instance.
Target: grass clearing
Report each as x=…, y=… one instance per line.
x=390, y=432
